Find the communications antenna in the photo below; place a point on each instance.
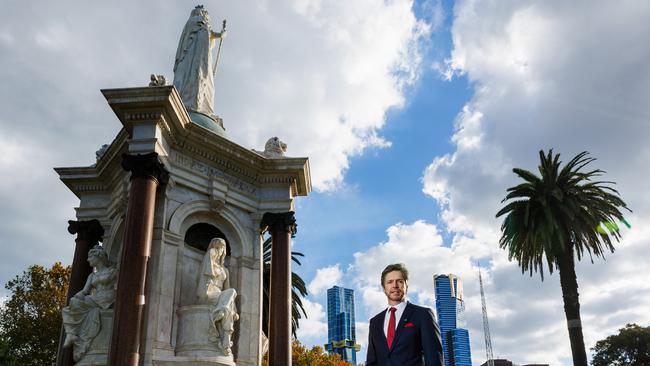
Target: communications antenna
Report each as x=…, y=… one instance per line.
x=486, y=324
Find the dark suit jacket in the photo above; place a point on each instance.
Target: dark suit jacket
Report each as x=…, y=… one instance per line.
x=416, y=342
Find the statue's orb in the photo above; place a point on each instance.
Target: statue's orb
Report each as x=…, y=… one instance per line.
x=213, y=123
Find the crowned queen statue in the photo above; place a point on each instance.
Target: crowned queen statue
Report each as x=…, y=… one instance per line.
x=193, y=67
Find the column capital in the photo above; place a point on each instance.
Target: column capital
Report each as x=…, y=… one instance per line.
x=145, y=166
x=91, y=231
x=282, y=221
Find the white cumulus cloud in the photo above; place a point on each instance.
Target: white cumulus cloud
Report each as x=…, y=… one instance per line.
x=325, y=278
x=320, y=75
x=546, y=78
x=315, y=325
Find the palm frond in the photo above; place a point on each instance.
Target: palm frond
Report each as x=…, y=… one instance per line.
x=298, y=289
x=559, y=212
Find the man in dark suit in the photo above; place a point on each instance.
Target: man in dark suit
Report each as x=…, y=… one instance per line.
x=404, y=334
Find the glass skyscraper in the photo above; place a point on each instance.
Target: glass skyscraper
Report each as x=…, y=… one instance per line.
x=341, y=333
x=451, y=319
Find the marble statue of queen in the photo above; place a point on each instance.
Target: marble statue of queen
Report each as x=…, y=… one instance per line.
x=213, y=289
x=193, y=75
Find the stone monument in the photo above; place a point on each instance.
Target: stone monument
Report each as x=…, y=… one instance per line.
x=180, y=208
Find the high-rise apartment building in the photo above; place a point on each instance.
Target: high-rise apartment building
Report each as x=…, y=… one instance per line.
x=451, y=319
x=341, y=333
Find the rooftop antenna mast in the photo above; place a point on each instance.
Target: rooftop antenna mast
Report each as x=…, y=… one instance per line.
x=486, y=324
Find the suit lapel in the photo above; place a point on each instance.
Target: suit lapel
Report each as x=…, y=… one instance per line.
x=406, y=315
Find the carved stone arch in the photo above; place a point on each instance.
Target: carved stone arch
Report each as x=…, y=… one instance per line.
x=200, y=211
x=113, y=241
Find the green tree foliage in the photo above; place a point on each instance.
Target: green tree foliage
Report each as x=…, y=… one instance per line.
x=30, y=320
x=298, y=290
x=555, y=217
x=630, y=347
x=316, y=356
x=5, y=358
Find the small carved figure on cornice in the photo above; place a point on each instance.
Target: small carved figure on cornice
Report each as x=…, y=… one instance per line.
x=158, y=80
x=274, y=148
x=102, y=150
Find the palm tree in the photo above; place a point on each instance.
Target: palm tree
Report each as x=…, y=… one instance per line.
x=298, y=290
x=559, y=216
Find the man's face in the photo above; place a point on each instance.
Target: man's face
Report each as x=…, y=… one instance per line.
x=395, y=287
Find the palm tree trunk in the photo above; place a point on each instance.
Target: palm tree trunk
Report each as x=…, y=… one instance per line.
x=569, y=285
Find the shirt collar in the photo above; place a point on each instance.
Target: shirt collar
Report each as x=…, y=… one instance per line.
x=399, y=306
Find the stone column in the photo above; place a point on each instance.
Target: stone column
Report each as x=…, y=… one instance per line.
x=146, y=174
x=281, y=226
x=89, y=233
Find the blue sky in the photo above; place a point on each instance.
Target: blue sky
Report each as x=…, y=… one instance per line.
x=413, y=115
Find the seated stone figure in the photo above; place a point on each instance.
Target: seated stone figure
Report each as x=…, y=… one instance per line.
x=81, y=318
x=213, y=289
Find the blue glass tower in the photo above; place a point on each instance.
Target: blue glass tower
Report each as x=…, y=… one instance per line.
x=451, y=319
x=341, y=333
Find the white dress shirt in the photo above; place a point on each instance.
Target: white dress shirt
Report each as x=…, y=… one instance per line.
x=398, y=314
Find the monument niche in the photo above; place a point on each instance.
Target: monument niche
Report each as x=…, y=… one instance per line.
x=180, y=207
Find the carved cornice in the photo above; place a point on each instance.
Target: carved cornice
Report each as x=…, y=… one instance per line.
x=151, y=115
x=145, y=166
x=282, y=222
x=90, y=187
x=219, y=160
x=114, y=148
x=163, y=106
x=90, y=231
x=204, y=169
x=293, y=172
x=98, y=178
x=143, y=115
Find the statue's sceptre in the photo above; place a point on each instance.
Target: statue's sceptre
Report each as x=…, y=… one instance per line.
x=221, y=35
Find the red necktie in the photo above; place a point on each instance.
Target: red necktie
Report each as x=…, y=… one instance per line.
x=390, y=332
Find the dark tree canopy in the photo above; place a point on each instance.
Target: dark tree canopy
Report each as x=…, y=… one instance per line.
x=630, y=347
x=30, y=320
x=5, y=358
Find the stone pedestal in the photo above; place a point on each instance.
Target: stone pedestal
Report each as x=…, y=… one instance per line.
x=197, y=336
x=97, y=354
x=192, y=361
